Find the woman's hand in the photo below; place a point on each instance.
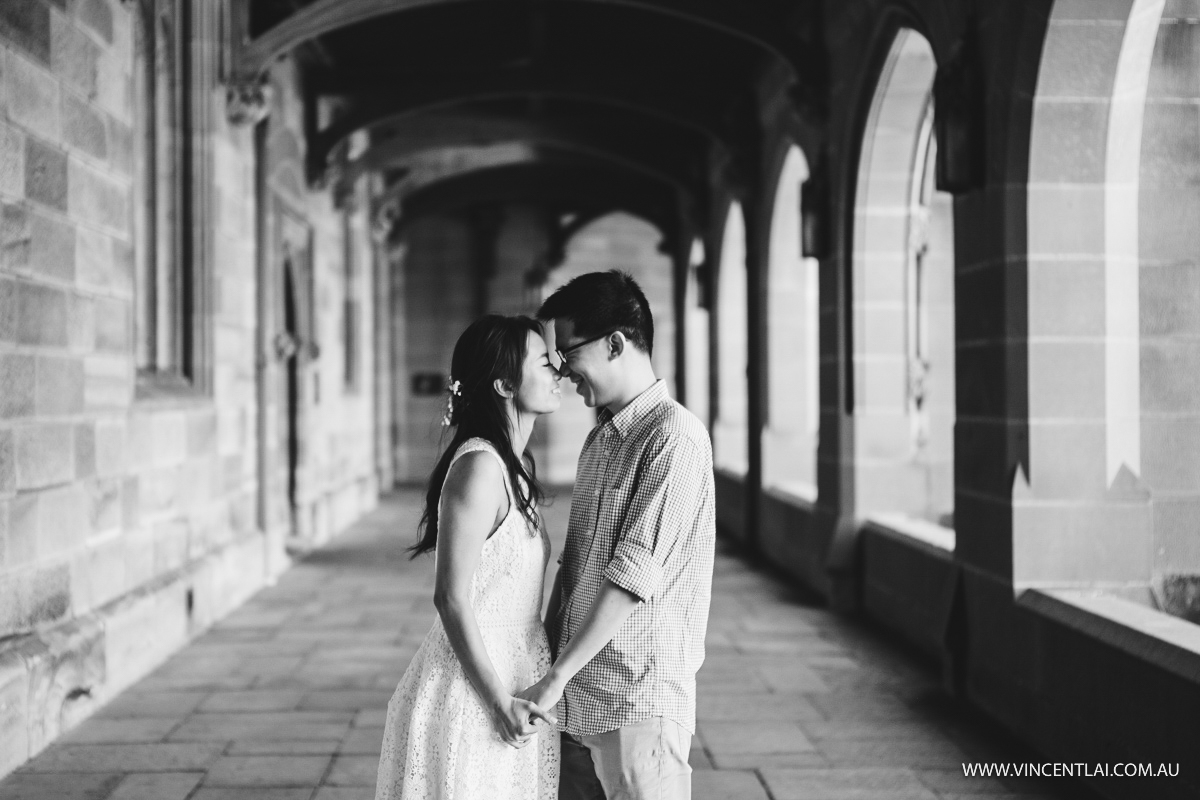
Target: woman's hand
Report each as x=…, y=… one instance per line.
x=513, y=719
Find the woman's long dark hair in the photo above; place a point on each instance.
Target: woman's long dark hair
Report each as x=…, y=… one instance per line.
x=492, y=347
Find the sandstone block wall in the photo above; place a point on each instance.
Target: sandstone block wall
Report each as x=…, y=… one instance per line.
x=128, y=523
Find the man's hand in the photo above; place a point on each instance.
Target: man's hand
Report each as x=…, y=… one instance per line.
x=544, y=694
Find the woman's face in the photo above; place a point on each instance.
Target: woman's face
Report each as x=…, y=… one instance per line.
x=539, y=392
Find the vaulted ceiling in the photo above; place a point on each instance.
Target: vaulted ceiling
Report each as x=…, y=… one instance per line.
x=621, y=104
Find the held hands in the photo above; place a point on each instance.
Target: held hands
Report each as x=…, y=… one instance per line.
x=544, y=694
x=513, y=718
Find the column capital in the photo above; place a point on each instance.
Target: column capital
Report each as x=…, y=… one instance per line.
x=247, y=99
x=384, y=220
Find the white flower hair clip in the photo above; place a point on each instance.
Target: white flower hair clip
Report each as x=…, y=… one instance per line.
x=455, y=390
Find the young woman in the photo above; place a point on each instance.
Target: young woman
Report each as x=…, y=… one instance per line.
x=454, y=729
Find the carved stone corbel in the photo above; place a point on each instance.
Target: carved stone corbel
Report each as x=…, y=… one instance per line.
x=247, y=100
x=809, y=100
x=815, y=211
x=736, y=173
x=960, y=118
x=384, y=220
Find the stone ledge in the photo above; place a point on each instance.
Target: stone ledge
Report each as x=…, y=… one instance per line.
x=52, y=679
x=909, y=575
x=1166, y=642
x=791, y=536
x=941, y=538
x=801, y=495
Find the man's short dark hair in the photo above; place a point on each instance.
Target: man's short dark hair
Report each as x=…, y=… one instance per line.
x=603, y=301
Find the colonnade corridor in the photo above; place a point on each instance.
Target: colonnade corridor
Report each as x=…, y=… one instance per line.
x=926, y=271
x=285, y=698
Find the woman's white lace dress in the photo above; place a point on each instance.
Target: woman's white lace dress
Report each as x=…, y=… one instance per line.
x=439, y=741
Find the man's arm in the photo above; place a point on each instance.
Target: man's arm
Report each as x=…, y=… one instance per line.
x=661, y=513
x=608, y=613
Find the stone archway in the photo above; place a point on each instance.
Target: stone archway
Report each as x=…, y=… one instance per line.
x=790, y=436
x=904, y=339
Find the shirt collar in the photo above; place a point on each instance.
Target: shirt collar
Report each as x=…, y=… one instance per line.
x=641, y=405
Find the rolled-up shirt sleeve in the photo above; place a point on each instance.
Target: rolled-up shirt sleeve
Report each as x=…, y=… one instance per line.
x=662, y=512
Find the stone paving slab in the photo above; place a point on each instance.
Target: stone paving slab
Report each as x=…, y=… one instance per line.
x=226, y=727
x=345, y=793
x=250, y=793
x=133, y=729
x=136, y=704
x=863, y=783
x=160, y=786
x=253, y=700
x=65, y=786
x=141, y=757
x=276, y=771
x=285, y=699
x=728, y=785
x=294, y=747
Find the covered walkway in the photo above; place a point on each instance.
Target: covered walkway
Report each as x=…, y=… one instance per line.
x=928, y=271
x=284, y=699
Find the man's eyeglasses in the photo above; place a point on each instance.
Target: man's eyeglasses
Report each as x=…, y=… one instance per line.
x=562, y=354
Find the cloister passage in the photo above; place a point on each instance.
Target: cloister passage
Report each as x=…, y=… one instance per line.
x=927, y=270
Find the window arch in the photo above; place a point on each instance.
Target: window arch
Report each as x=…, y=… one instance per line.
x=730, y=432
x=163, y=215
x=903, y=280
x=790, y=437
x=634, y=243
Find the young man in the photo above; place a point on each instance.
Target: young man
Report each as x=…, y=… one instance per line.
x=630, y=605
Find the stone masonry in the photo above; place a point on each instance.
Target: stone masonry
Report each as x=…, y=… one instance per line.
x=129, y=524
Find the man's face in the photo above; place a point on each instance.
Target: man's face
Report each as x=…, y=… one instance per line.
x=585, y=362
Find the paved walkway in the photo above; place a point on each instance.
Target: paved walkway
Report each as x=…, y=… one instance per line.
x=284, y=700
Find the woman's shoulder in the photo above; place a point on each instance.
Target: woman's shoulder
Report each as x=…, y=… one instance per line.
x=476, y=443
x=474, y=471
x=476, y=450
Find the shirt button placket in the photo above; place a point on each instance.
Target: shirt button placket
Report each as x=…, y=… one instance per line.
x=604, y=440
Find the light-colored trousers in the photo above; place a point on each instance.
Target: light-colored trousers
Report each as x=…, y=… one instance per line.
x=647, y=760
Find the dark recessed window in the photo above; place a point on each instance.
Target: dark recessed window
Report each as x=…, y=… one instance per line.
x=163, y=215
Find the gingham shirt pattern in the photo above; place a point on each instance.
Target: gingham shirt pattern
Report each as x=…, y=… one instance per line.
x=642, y=516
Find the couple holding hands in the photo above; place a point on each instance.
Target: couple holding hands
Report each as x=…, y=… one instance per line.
x=478, y=713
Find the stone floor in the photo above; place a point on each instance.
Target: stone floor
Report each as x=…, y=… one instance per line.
x=284, y=699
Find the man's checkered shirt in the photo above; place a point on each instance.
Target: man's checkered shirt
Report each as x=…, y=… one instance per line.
x=642, y=516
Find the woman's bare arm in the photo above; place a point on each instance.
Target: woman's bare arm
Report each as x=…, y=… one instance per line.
x=473, y=502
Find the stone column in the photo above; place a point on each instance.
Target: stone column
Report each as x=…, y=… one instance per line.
x=757, y=231
x=381, y=298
